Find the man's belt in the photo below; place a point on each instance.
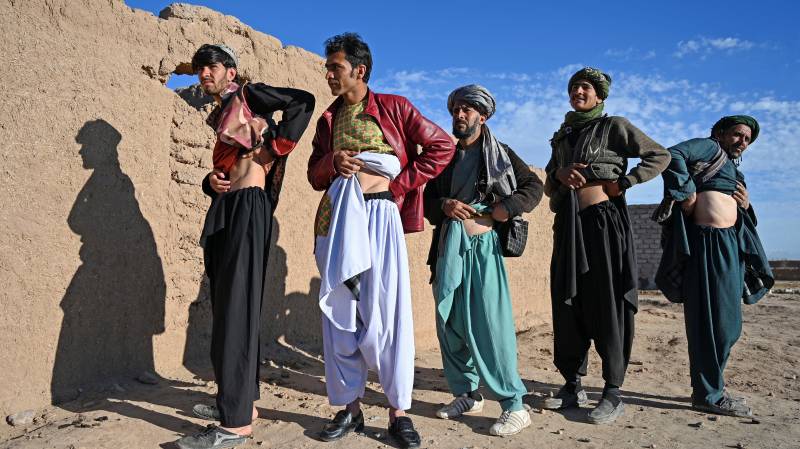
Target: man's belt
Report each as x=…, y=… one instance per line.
x=385, y=195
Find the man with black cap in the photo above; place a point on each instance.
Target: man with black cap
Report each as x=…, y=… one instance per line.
x=249, y=160
x=593, y=273
x=713, y=258
x=485, y=184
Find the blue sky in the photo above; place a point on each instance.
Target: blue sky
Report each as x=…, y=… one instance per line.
x=677, y=67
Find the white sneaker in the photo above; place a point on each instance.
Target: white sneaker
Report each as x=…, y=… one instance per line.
x=461, y=405
x=511, y=423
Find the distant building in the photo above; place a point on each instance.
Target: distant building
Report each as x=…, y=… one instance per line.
x=647, y=238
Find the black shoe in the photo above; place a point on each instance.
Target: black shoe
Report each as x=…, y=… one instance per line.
x=606, y=411
x=402, y=429
x=209, y=412
x=565, y=399
x=212, y=438
x=341, y=425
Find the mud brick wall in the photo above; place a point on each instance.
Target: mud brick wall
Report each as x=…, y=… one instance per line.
x=647, y=235
x=786, y=270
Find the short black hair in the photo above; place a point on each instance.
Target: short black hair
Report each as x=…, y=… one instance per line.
x=211, y=54
x=356, y=51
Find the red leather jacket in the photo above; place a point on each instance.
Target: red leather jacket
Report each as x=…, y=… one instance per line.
x=403, y=128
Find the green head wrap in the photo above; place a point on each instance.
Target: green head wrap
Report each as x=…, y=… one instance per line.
x=732, y=120
x=601, y=81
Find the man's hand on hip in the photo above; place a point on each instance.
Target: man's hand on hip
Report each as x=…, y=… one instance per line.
x=688, y=204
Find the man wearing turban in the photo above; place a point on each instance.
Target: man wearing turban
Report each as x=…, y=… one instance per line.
x=485, y=184
x=593, y=269
x=713, y=258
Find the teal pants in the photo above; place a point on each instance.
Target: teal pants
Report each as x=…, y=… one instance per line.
x=478, y=339
x=713, y=284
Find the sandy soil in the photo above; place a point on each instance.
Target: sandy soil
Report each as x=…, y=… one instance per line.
x=763, y=367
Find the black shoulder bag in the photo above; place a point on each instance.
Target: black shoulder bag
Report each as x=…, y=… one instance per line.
x=513, y=235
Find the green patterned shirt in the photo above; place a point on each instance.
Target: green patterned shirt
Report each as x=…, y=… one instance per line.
x=354, y=130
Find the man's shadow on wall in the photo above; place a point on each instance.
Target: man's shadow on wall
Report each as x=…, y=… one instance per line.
x=114, y=305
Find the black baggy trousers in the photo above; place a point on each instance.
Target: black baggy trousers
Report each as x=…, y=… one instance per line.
x=600, y=311
x=235, y=241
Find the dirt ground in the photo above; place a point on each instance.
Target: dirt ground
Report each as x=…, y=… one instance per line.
x=763, y=367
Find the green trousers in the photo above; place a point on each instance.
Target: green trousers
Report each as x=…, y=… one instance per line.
x=475, y=320
x=713, y=285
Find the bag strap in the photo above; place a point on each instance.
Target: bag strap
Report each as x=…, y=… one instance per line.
x=707, y=170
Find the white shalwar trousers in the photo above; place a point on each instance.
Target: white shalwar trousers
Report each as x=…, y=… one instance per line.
x=383, y=336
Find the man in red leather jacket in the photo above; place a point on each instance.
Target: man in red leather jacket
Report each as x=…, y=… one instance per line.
x=404, y=128
x=361, y=121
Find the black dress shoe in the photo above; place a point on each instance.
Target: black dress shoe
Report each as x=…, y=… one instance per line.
x=403, y=431
x=341, y=425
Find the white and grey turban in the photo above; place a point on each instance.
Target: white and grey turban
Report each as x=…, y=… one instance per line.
x=475, y=95
x=230, y=53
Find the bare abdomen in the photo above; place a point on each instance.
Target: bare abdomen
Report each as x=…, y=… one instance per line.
x=247, y=173
x=372, y=182
x=478, y=225
x=591, y=195
x=715, y=209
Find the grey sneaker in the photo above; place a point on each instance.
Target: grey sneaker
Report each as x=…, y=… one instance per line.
x=461, y=405
x=510, y=423
x=606, y=412
x=209, y=412
x=728, y=395
x=565, y=399
x=725, y=406
x=211, y=438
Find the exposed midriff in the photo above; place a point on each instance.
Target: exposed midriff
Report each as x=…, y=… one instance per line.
x=590, y=195
x=248, y=172
x=372, y=182
x=478, y=225
x=715, y=209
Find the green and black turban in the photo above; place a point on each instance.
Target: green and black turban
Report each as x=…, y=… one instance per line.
x=601, y=81
x=475, y=95
x=732, y=120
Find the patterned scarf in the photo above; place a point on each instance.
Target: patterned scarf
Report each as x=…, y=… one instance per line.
x=238, y=129
x=575, y=121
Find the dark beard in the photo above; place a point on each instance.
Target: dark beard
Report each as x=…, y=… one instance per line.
x=467, y=132
x=216, y=90
x=734, y=155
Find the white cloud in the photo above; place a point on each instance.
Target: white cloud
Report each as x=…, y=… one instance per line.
x=630, y=54
x=730, y=43
x=704, y=46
